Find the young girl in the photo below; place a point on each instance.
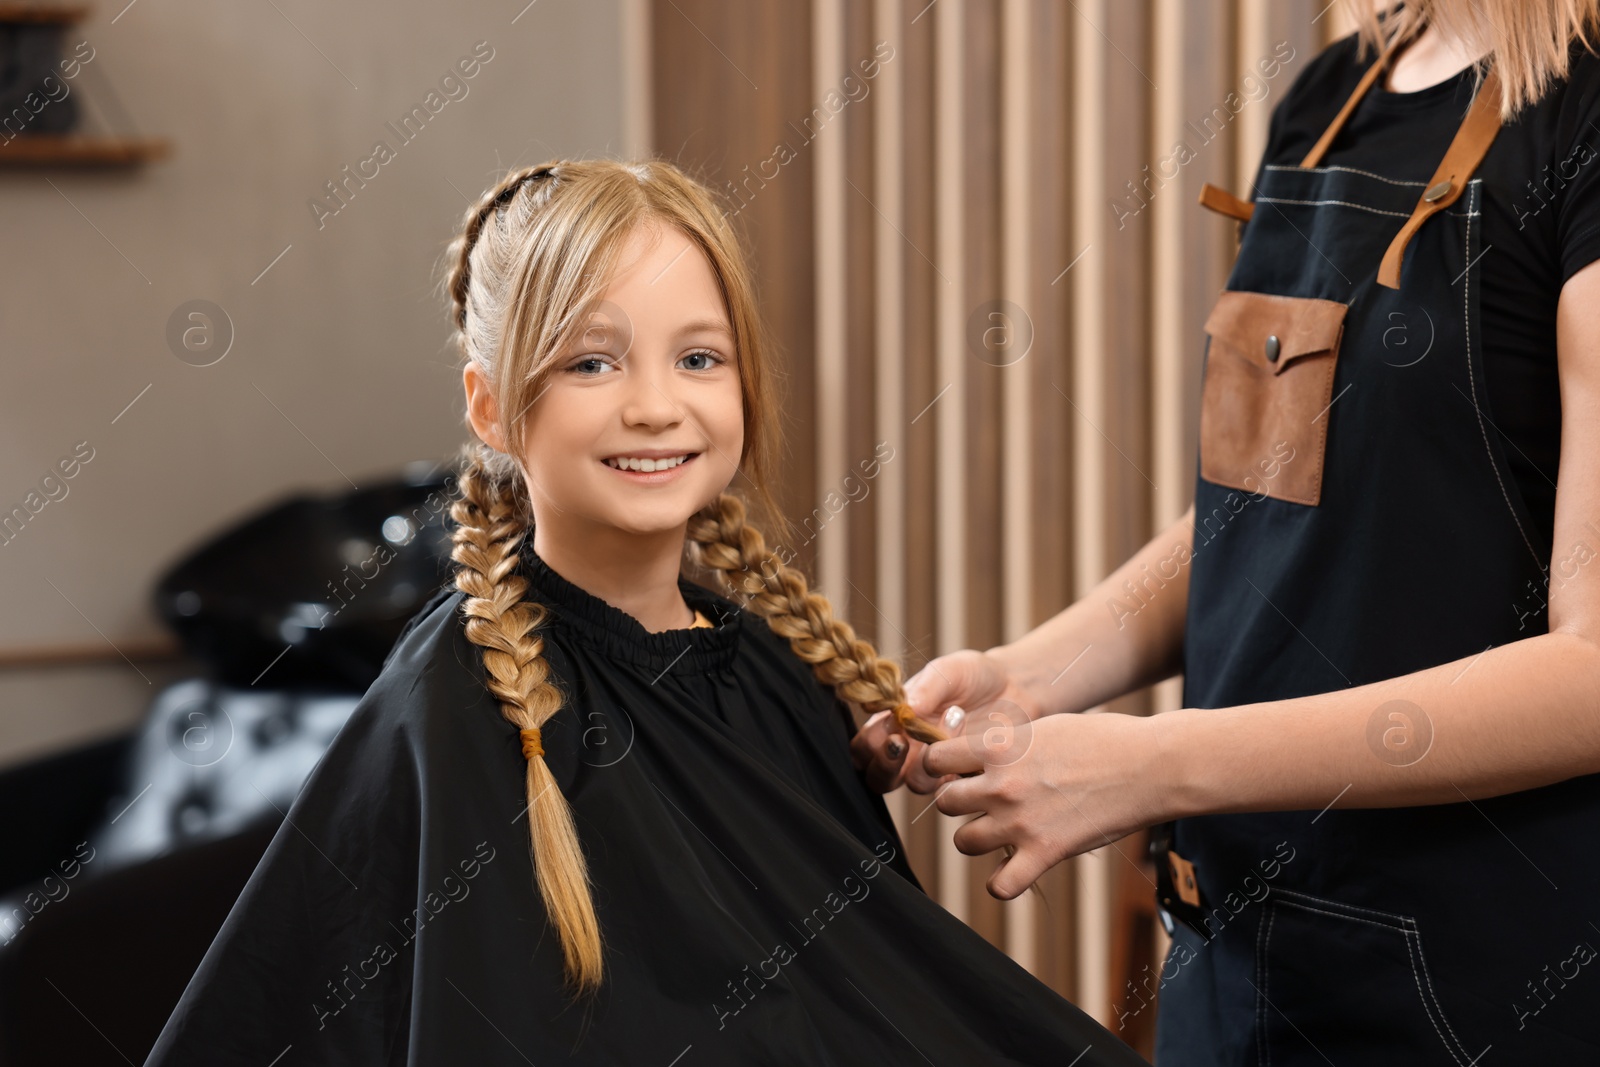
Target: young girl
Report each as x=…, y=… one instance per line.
x=591, y=811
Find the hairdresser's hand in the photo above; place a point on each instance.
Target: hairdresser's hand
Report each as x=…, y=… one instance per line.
x=973, y=681
x=1064, y=784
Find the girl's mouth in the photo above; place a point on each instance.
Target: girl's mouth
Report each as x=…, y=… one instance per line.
x=650, y=471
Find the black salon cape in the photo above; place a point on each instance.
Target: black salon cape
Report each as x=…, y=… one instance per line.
x=752, y=894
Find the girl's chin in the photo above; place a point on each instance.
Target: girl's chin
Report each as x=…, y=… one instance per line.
x=647, y=521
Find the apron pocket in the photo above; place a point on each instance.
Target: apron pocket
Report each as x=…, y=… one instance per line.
x=1268, y=385
x=1349, y=983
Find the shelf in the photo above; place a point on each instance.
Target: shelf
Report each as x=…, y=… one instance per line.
x=63, y=14
x=75, y=150
x=160, y=648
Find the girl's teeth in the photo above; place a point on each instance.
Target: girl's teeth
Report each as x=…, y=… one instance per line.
x=647, y=465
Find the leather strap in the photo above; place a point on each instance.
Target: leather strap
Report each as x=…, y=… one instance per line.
x=1478, y=131
x=1472, y=140
x=1223, y=202
x=1370, y=78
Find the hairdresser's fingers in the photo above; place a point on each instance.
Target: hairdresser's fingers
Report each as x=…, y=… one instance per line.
x=917, y=778
x=879, y=752
x=916, y=775
x=966, y=677
x=964, y=796
x=1023, y=868
x=981, y=835
x=953, y=756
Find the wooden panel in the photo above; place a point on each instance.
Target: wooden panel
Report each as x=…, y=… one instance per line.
x=981, y=381
x=889, y=421
x=638, y=91
x=861, y=431
x=752, y=91
x=1090, y=340
x=1127, y=155
x=1055, y=538
x=834, y=270
x=950, y=177
x=924, y=389
x=1018, y=178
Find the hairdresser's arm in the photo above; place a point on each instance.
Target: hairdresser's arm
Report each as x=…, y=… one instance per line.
x=1111, y=641
x=1107, y=644
x=1511, y=718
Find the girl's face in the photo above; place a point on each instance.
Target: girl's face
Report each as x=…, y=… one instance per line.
x=652, y=383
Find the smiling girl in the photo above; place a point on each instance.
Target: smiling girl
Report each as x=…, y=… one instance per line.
x=593, y=811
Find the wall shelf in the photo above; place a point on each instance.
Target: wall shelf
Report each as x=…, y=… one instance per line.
x=36, y=12
x=77, y=150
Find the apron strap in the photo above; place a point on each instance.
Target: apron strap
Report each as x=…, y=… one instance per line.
x=1215, y=198
x=1225, y=203
x=1472, y=140
x=1368, y=80
x=1478, y=131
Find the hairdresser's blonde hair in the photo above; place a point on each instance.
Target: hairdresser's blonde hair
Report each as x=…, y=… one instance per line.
x=1528, y=41
x=527, y=272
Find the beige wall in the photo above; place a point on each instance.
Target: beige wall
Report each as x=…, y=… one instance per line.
x=339, y=371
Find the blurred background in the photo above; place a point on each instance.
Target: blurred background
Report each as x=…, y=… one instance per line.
x=227, y=387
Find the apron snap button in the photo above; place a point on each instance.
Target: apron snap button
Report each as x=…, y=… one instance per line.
x=1438, y=192
x=1273, y=346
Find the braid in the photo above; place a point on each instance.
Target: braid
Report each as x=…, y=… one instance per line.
x=738, y=553
x=489, y=529
x=460, y=272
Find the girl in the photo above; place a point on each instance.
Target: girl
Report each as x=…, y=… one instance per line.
x=591, y=811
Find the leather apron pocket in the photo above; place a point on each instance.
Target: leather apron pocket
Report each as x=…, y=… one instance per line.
x=1268, y=385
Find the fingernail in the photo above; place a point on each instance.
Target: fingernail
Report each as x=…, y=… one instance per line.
x=895, y=748
x=953, y=718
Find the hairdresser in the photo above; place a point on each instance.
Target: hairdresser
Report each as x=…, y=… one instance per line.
x=1376, y=817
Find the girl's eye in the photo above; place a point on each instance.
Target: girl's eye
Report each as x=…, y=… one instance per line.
x=711, y=359
x=588, y=367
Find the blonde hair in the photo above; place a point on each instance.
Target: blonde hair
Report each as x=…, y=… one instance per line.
x=1528, y=41
x=528, y=270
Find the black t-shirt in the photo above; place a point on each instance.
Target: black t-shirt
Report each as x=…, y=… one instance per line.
x=1541, y=219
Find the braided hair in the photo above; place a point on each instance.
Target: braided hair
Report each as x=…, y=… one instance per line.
x=531, y=259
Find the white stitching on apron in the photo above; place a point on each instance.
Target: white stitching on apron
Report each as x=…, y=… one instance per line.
x=1347, y=918
x=1413, y=935
x=1358, y=207
x=1398, y=920
x=1341, y=203
x=1407, y=928
x=1263, y=933
x=1348, y=170
x=1473, y=188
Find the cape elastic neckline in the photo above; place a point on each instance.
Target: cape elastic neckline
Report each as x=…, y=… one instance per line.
x=612, y=631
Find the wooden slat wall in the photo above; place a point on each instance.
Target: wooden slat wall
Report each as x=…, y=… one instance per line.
x=984, y=162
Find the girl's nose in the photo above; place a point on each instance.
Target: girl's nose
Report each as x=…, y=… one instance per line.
x=648, y=399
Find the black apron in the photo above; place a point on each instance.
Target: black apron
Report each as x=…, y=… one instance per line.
x=1356, y=519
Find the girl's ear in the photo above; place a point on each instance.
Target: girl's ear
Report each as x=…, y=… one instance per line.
x=482, y=410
